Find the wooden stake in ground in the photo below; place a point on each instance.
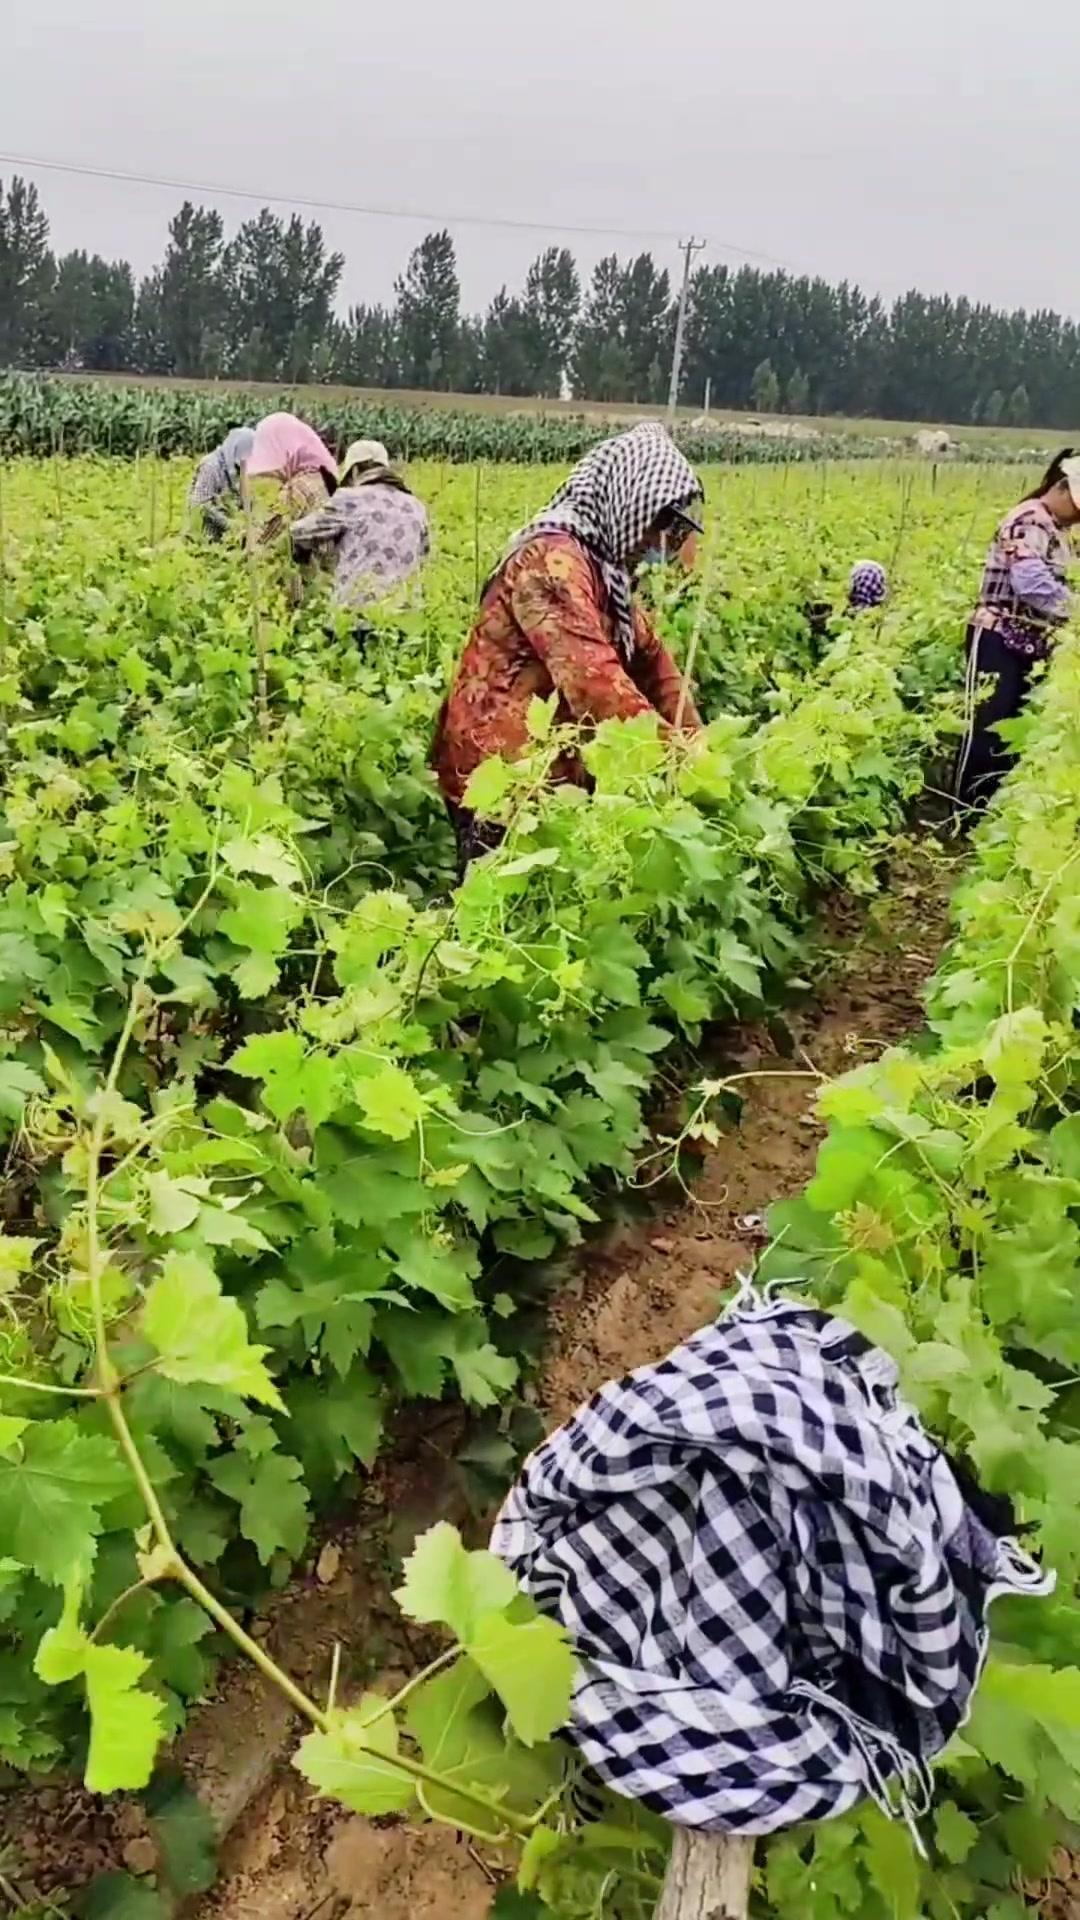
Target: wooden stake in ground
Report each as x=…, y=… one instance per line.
x=708, y=1877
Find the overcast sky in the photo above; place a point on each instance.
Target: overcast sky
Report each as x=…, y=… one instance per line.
x=928, y=143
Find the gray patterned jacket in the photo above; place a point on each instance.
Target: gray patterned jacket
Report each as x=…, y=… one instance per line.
x=379, y=536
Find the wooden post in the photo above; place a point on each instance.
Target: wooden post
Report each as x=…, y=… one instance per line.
x=708, y=1877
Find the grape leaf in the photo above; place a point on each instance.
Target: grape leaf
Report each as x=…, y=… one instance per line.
x=335, y=1423
x=447, y=1584
x=847, y=1160
x=955, y=1833
x=417, y=1344
x=530, y=1665
x=202, y=1335
x=1014, y=1047
x=173, y=1204
x=376, y=926
x=1049, y=1697
x=440, y=1708
x=488, y=785
x=16, y=1258
x=350, y=1763
x=51, y=1489
x=892, y=1863
x=264, y=854
x=273, y=1506
x=18, y=1084
x=484, y=1374
x=118, y=1896
x=294, y=1080
x=185, y=1832
x=436, y=1265
x=511, y=1904
x=126, y=1723
x=261, y=918
x=173, y=1642
x=390, y=1102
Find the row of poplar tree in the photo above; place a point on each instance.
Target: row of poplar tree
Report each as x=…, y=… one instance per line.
x=261, y=305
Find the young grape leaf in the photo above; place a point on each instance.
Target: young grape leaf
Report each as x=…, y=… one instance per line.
x=541, y=1844
x=445, y=1583
x=488, y=785
x=376, y=926
x=1049, y=1697
x=390, y=1102
x=439, y=1710
x=893, y=1864
x=202, y=1335
x=126, y=1723
x=16, y=1258
x=52, y=1486
x=351, y=1762
x=458, y=1728
x=1014, y=1047
x=174, y=1204
x=264, y=854
x=531, y=1669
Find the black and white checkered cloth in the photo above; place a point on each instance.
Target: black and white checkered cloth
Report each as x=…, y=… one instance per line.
x=775, y=1586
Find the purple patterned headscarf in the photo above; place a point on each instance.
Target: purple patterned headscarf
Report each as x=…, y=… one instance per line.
x=868, y=586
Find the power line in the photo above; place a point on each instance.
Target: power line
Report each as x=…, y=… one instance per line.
x=264, y=198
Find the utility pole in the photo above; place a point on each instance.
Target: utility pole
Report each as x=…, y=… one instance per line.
x=687, y=248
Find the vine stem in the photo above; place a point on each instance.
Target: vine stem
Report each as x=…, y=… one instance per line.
x=696, y=631
x=1030, y=922
x=261, y=681
x=186, y=1577
x=48, y=1386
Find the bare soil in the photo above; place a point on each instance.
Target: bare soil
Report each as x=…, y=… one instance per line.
x=632, y=1295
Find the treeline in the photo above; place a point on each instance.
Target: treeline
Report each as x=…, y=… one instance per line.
x=261, y=305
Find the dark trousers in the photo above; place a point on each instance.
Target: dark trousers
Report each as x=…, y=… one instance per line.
x=983, y=759
x=474, y=836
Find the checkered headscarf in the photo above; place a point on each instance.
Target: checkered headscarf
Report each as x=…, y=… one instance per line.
x=775, y=1584
x=868, y=585
x=609, y=503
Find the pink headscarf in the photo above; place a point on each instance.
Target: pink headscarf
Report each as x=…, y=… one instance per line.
x=287, y=446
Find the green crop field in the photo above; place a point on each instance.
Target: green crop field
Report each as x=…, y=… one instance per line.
x=294, y=1126
x=999, y=439
x=128, y=415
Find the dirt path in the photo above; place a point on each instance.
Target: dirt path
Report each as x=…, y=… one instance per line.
x=633, y=1294
x=648, y=1288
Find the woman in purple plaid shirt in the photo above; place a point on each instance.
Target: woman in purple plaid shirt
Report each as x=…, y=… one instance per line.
x=1023, y=603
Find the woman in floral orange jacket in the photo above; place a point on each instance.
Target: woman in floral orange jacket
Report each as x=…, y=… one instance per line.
x=558, y=616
